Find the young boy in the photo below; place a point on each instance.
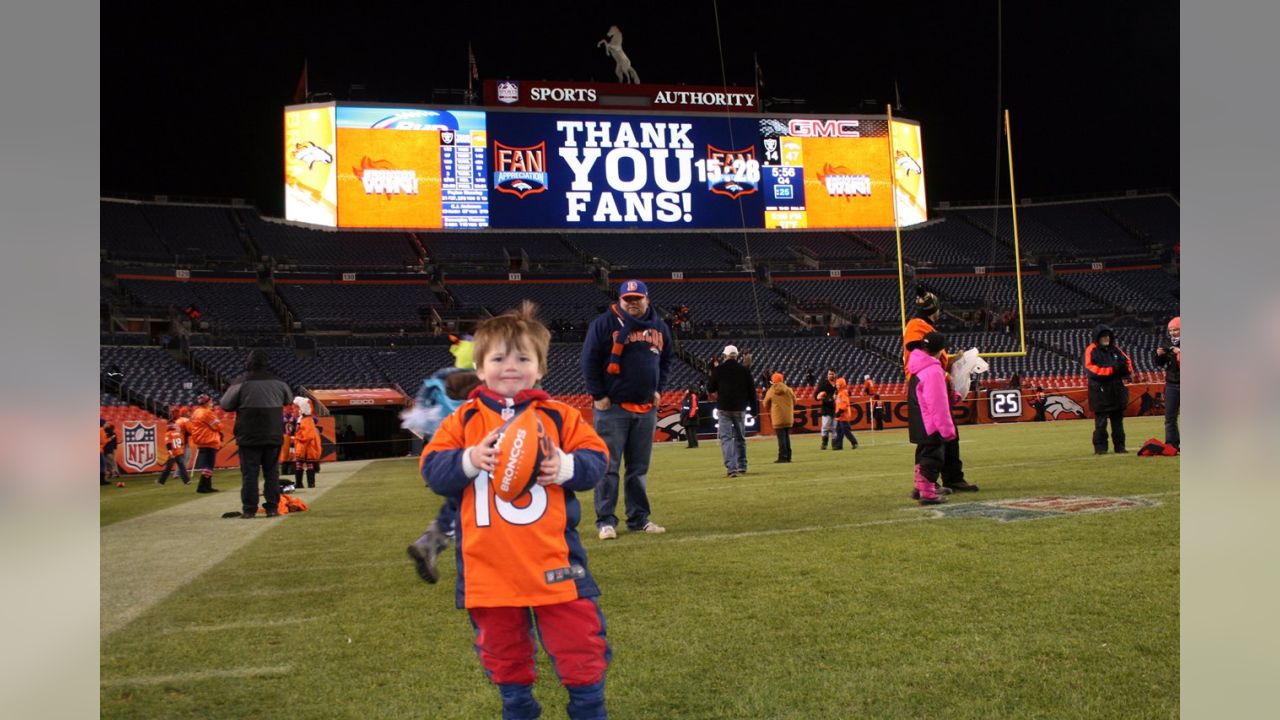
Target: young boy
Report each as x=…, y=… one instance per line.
x=523, y=562
x=929, y=415
x=175, y=442
x=306, y=444
x=780, y=403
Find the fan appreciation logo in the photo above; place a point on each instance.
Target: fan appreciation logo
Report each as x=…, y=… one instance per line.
x=841, y=182
x=520, y=171
x=139, y=445
x=735, y=176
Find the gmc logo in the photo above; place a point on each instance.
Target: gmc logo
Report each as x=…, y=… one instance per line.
x=801, y=127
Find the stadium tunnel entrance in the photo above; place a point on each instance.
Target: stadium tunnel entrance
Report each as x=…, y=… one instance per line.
x=366, y=421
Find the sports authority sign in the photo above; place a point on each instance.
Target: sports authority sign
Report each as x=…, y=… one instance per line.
x=582, y=95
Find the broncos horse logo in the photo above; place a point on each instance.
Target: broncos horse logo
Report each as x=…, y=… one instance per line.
x=907, y=163
x=1056, y=405
x=311, y=153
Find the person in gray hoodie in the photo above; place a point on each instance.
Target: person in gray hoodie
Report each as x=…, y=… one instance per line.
x=256, y=397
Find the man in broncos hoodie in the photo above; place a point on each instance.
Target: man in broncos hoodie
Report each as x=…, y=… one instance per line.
x=1107, y=366
x=625, y=360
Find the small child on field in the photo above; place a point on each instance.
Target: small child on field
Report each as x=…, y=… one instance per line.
x=929, y=415
x=523, y=562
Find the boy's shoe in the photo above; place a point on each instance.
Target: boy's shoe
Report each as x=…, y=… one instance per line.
x=653, y=528
x=607, y=532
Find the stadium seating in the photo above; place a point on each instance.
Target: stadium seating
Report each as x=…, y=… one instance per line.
x=877, y=297
x=126, y=234
x=196, y=233
x=358, y=307
x=347, y=250
x=1133, y=291
x=727, y=303
x=651, y=251
x=227, y=306
x=1153, y=219
x=556, y=300
x=153, y=374
x=498, y=250
x=946, y=241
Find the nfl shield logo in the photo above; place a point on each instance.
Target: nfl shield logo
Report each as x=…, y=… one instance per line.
x=508, y=92
x=139, y=445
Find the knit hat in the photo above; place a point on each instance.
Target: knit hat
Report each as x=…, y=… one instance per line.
x=926, y=302
x=730, y=350
x=776, y=377
x=933, y=342
x=303, y=405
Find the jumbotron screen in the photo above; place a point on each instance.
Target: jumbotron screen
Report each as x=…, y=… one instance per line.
x=424, y=168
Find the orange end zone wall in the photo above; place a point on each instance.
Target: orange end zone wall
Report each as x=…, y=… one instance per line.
x=228, y=455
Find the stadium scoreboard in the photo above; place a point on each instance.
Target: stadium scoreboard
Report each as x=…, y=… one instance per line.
x=364, y=165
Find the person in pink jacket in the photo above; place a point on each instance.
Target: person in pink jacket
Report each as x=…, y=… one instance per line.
x=929, y=404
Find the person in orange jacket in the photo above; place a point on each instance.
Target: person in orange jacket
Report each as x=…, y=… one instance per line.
x=306, y=441
x=844, y=417
x=287, y=451
x=207, y=439
x=175, y=442
x=928, y=310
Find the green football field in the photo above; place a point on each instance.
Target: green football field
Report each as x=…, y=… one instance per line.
x=816, y=589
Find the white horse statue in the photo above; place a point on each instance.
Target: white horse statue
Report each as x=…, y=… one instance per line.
x=622, y=64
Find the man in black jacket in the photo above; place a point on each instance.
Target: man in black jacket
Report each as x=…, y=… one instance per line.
x=736, y=392
x=257, y=397
x=1169, y=356
x=826, y=393
x=1107, y=367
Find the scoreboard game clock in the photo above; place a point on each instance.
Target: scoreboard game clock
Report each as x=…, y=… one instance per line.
x=1006, y=403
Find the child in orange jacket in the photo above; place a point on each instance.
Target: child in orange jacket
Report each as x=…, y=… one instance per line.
x=175, y=442
x=844, y=417
x=523, y=561
x=306, y=444
x=207, y=438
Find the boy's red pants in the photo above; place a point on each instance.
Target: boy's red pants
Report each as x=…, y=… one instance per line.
x=572, y=633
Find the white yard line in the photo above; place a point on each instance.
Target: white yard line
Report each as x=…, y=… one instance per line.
x=244, y=625
x=145, y=559
x=195, y=677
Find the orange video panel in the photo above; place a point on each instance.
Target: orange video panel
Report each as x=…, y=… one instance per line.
x=310, y=177
x=388, y=179
x=847, y=182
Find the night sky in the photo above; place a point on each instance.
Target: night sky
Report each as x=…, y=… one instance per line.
x=192, y=100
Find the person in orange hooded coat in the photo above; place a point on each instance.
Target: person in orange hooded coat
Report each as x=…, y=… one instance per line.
x=306, y=443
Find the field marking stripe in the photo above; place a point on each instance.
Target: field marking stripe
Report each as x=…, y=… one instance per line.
x=144, y=560
x=403, y=561
x=841, y=526
x=242, y=625
x=194, y=677
x=267, y=592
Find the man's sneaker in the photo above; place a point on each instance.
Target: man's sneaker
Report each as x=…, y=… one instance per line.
x=653, y=528
x=247, y=515
x=607, y=532
x=960, y=486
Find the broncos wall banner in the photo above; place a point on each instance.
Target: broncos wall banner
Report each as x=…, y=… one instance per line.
x=1144, y=399
x=141, y=447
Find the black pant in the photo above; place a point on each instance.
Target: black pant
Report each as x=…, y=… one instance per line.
x=1100, y=430
x=784, y=443
x=266, y=458
x=170, y=464
x=690, y=426
x=1172, y=402
x=931, y=456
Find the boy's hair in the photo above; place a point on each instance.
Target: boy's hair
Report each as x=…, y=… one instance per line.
x=516, y=328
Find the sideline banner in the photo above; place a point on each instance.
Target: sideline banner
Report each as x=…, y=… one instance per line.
x=141, y=448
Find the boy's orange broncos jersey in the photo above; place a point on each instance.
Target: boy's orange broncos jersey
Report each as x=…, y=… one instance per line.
x=175, y=438
x=844, y=406
x=526, y=553
x=204, y=429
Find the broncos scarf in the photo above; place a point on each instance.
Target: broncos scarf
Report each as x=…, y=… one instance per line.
x=628, y=325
